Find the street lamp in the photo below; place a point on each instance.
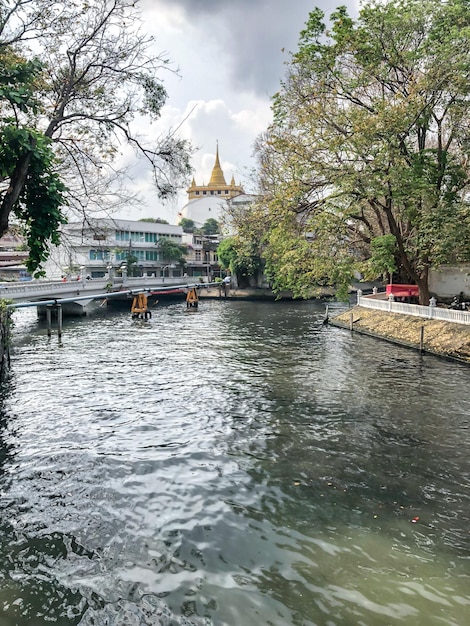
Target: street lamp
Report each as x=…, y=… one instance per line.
x=170, y=266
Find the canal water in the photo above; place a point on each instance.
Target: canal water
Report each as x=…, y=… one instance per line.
x=237, y=465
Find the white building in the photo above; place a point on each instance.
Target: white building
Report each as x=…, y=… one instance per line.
x=201, y=257
x=103, y=246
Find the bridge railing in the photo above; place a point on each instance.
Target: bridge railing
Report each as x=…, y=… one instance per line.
x=46, y=288
x=43, y=290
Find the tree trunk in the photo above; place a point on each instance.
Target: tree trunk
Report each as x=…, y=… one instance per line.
x=420, y=278
x=17, y=183
x=423, y=286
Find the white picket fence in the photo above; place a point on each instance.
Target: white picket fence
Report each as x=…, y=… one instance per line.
x=377, y=301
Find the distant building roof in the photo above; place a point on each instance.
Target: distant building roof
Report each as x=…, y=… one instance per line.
x=109, y=224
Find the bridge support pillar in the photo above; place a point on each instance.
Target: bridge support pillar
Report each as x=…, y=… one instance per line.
x=57, y=309
x=140, y=308
x=192, y=299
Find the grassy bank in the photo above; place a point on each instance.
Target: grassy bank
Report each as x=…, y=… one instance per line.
x=441, y=338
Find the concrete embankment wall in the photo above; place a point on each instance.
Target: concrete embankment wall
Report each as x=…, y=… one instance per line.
x=250, y=293
x=445, y=339
x=254, y=293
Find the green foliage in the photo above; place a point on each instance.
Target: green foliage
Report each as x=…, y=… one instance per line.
x=187, y=225
x=369, y=148
x=227, y=253
x=210, y=227
x=17, y=83
x=171, y=252
x=131, y=264
x=42, y=194
x=382, y=259
x=154, y=220
x=154, y=96
x=241, y=261
x=305, y=265
x=36, y=193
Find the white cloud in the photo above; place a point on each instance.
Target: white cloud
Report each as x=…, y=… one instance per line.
x=230, y=61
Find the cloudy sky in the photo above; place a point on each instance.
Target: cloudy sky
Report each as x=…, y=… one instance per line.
x=231, y=57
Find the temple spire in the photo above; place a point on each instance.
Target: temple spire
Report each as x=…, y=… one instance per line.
x=217, y=185
x=217, y=177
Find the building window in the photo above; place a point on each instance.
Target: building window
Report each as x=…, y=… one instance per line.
x=212, y=193
x=99, y=255
x=197, y=193
x=198, y=255
x=123, y=255
x=122, y=235
x=204, y=193
x=226, y=191
x=137, y=236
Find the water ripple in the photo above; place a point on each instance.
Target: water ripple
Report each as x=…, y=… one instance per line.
x=241, y=464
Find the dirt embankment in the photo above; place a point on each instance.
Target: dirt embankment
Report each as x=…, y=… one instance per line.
x=441, y=338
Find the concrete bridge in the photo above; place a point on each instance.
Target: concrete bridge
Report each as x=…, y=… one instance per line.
x=76, y=295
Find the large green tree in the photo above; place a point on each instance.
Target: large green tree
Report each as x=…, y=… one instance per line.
x=170, y=251
x=240, y=257
x=370, y=139
x=30, y=186
x=242, y=251
x=74, y=78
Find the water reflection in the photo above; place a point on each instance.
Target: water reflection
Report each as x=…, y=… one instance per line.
x=243, y=464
